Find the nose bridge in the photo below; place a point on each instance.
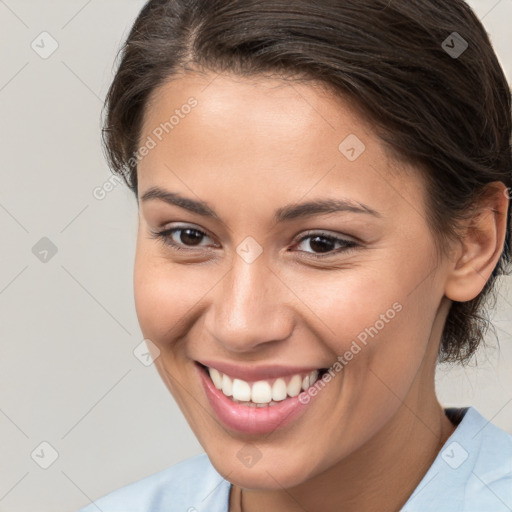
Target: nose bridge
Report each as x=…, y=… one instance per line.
x=248, y=310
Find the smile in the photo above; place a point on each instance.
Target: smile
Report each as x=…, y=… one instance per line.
x=262, y=392
x=268, y=400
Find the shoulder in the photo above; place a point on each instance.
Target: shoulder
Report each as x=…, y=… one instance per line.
x=192, y=485
x=491, y=475
x=472, y=472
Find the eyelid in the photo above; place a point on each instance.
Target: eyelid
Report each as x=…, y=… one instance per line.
x=327, y=234
x=166, y=233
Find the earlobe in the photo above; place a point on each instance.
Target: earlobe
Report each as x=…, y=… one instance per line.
x=481, y=245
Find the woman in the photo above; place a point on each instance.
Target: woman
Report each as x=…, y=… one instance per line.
x=323, y=208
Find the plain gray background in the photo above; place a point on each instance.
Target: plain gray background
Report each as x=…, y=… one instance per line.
x=69, y=376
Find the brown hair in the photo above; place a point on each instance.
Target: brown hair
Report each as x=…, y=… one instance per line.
x=447, y=113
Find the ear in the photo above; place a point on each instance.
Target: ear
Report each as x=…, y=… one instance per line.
x=481, y=244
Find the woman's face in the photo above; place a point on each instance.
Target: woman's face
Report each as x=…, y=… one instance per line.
x=266, y=285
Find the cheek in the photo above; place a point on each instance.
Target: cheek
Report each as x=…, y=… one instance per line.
x=168, y=295
x=377, y=319
x=348, y=304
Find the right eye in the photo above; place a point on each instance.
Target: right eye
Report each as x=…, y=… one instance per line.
x=180, y=238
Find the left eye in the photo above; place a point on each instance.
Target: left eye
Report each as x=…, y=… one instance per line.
x=326, y=244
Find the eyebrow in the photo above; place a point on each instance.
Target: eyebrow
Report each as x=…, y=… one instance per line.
x=285, y=213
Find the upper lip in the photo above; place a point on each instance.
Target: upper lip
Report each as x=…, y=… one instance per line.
x=255, y=373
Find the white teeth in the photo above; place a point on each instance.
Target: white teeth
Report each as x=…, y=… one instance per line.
x=227, y=385
x=261, y=393
x=293, y=388
x=216, y=377
x=241, y=390
x=279, y=390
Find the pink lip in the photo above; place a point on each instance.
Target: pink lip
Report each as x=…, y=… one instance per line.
x=252, y=373
x=250, y=420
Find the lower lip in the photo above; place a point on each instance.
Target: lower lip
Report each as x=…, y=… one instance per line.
x=250, y=420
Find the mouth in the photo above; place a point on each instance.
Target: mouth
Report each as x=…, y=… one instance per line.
x=264, y=392
x=257, y=406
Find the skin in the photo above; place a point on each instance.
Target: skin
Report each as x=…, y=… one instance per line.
x=249, y=147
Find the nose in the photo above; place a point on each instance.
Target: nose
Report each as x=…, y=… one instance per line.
x=250, y=308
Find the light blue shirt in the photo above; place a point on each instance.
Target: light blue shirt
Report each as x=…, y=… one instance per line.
x=471, y=473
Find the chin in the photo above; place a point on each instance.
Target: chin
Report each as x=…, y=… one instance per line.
x=267, y=473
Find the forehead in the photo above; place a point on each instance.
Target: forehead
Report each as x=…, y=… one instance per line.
x=273, y=109
x=262, y=134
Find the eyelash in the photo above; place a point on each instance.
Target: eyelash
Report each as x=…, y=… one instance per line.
x=164, y=236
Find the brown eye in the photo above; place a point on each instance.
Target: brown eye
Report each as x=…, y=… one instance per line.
x=190, y=236
x=321, y=244
x=181, y=238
